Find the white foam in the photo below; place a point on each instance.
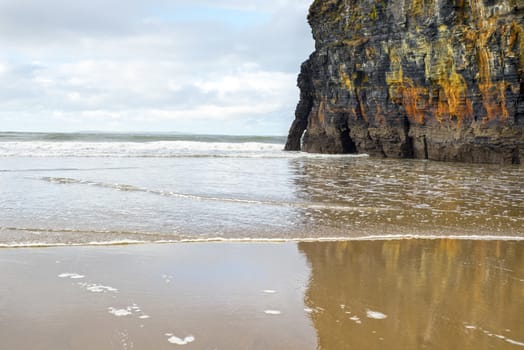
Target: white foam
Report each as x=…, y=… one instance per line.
x=272, y=312
x=144, y=317
x=156, y=149
x=346, y=239
x=355, y=318
x=73, y=276
x=114, y=242
x=514, y=342
x=267, y=240
x=498, y=336
x=167, y=278
x=269, y=291
x=342, y=239
x=375, y=315
x=394, y=237
x=98, y=288
x=119, y=312
x=81, y=244
x=308, y=310
x=179, y=341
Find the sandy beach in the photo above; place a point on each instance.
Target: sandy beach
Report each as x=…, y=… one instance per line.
x=397, y=294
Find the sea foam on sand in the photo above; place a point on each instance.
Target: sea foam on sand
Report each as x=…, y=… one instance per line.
x=73, y=276
x=119, y=312
x=272, y=312
x=98, y=288
x=375, y=315
x=179, y=341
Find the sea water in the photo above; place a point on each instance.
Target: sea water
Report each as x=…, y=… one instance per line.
x=100, y=188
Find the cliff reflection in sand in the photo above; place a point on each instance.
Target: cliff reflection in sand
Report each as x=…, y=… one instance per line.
x=416, y=294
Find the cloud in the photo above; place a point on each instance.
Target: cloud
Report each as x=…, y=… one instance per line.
x=159, y=65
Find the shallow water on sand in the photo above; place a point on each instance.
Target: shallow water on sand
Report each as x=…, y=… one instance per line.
x=369, y=287
x=407, y=294
x=147, y=189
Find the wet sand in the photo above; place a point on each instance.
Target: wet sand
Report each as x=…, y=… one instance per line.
x=394, y=294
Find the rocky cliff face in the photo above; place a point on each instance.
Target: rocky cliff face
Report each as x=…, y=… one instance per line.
x=429, y=79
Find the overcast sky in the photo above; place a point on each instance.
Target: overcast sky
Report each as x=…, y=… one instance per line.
x=202, y=66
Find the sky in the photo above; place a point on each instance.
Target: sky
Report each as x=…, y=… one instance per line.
x=197, y=66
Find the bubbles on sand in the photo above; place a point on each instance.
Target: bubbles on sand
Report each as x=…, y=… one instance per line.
x=72, y=276
x=134, y=309
x=97, y=288
x=471, y=327
x=272, y=312
x=514, y=342
x=124, y=339
x=173, y=339
x=91, y=287
x=269, y=291
x=167, y=278
x=128, y=311
x=120, y=312
x=356, y=319
x=375, y=315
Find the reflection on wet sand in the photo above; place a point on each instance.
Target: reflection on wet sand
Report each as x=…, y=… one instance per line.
x=416, y=294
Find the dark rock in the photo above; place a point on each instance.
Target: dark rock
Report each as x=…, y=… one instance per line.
x=440, y=80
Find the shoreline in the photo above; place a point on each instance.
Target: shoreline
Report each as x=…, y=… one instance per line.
x=371, y=238
x=373, y=294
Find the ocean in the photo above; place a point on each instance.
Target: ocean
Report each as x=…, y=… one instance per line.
x=115, y=188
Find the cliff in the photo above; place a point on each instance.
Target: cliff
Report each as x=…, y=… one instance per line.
x=429, y=79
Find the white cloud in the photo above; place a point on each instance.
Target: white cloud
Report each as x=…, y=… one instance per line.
x=137, y=66
x=3, y=68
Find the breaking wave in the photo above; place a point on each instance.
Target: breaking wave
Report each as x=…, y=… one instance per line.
x=156, y=149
